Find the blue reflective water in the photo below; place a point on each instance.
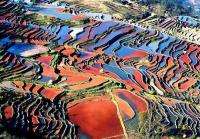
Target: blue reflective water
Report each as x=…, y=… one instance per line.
x=63, y=33
x=135, y=119
x=52, y=12
x=193, y=57
x=83, y=54
x=4, y=41
x=46, y=79
x=109, y=37
x=128, y=70
x=165, y=44
x=18, y=48
x=109, y=49
x=124, y=51
x=103, y=27
x=116, y=71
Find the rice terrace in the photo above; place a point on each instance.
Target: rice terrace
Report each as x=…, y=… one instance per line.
x=99, y=69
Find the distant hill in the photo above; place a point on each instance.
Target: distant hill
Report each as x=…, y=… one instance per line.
x=174, y=7
x=195, y=2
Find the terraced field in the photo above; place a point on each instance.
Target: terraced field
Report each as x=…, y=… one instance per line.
x=71, y=71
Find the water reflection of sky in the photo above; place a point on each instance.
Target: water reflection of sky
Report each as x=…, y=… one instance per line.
x=26, y=1
x=18, y=48
x=53, y=12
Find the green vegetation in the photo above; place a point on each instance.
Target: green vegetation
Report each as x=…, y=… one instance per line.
x=56, y=60
x=143, y=119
